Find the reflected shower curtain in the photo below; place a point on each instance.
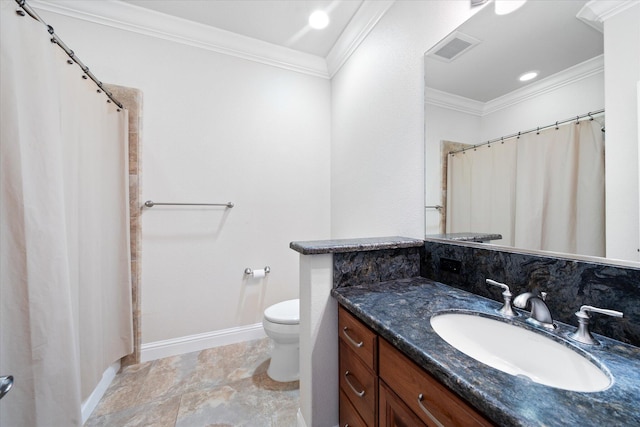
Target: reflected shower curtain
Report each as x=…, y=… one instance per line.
x=542, y=191
x=480, y=188
x=65, y=292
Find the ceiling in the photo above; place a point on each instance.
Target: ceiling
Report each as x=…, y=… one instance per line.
x=541, y=35
x=280, y=22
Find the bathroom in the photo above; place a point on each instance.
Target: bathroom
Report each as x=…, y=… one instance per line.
x=302, y=155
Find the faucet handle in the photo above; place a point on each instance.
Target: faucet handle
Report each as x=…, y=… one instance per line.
x=582, y=334
x=501, y=285
x=506, y=308
x=585, y=308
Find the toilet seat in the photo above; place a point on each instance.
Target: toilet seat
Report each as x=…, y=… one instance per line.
x=285, y=312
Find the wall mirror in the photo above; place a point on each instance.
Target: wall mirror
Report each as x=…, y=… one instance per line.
x=473, y=95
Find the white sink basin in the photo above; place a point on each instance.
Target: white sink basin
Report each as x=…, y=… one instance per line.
x=520, y=352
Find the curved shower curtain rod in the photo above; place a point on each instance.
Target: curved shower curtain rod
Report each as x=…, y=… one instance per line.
x=538, y=129
x=55, y=39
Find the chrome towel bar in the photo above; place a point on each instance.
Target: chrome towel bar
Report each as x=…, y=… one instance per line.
x=150, y=204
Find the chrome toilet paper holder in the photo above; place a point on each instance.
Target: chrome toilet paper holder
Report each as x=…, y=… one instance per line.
x=249, y=271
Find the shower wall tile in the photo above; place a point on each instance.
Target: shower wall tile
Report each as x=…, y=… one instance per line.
x=131, y=99
x=367, y=267
x=569, y=283
x=133, y=153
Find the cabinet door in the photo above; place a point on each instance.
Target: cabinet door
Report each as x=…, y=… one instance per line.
x=393, y=412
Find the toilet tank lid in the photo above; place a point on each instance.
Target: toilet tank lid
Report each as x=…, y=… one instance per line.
x=286, y=312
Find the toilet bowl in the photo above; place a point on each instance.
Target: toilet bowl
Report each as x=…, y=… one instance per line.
x=281, y=323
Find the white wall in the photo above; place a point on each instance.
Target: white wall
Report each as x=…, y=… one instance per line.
x=216, y=128
x=377, y=111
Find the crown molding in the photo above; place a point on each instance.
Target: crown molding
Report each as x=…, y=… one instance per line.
x=128, y=17
x=566, y=77
x=136, y=19
x=365, y=19
x=596, y=12
x=453, y=102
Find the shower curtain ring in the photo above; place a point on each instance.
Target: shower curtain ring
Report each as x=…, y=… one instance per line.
x=538, y=131
x=557, y=126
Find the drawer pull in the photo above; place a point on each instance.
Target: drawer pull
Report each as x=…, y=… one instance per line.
x=346, y=377
x=426, y=411
x=357, y=344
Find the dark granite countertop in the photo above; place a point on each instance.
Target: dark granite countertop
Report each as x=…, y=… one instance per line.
x=466, y=237
x=317, y=247
x=399, y=311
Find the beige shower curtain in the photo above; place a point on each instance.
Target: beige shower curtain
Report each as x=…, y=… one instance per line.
x=542, y=191
x=65, y=290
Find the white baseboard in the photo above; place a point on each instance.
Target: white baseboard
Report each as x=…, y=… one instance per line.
x=89, y=405
x=173, y=347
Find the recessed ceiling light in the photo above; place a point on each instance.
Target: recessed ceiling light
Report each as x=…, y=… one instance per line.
x=318, y=20
x=529, y=75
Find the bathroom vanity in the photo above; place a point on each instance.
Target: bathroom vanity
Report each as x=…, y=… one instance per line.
x=378, y=382
x=391, y=367
x=422, y=378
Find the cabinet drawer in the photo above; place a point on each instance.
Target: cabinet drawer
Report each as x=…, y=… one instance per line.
x=358, y=337
x=359, y=384
x=348, y=415
x=423, y=394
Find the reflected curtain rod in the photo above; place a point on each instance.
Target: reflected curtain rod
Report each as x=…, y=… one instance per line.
x=538, y=129
x=55, y=39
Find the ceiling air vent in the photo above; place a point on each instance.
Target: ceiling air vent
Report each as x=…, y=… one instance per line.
x=454, y=45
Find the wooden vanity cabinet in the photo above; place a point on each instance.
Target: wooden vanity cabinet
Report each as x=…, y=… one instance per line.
x=383, y=387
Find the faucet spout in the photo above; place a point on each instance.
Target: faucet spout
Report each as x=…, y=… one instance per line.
x=540, y=314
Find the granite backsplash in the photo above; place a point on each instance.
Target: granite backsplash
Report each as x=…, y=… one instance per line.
x=569, y=283
x=368, y=267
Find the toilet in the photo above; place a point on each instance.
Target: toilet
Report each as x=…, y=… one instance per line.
x=281, y=323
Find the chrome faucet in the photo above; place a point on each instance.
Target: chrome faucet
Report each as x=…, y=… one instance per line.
x=540, y=314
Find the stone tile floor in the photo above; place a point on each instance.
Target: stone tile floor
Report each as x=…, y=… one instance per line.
x=223, y=386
